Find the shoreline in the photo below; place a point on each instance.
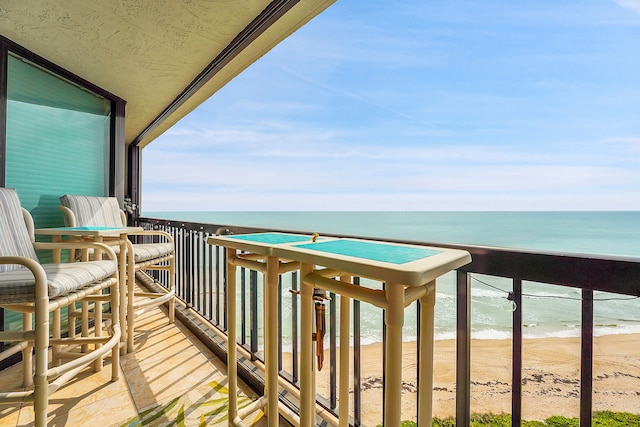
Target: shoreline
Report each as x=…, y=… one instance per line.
x=550, y=377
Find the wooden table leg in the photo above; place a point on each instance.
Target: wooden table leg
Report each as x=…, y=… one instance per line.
x=122, y=277
x=232, y=332
x=271, y=340
x=345, y=323
x=394, y=320
x=307, y=374
x=425, y=366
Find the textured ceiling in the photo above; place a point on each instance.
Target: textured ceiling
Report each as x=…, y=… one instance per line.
x=145, y=51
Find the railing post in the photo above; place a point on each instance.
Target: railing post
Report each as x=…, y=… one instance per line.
x=189, y=270
x=516, y=356
x=192, y=269
x=225, y=290
x=279, y=324
x=586, y=359
x=333, y=336
x=463, y=349
x=243, y=307
x=294, y=327
x=357, y=362
x=180, y=262
x=214, y=260
x=253, y=312
x=215, y=253
x=197, y=271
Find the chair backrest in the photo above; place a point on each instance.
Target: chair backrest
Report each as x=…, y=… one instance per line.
x=94, y=211
x=14, y=235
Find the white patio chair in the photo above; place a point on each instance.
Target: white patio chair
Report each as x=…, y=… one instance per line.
x=93, y=211
x=31, y=288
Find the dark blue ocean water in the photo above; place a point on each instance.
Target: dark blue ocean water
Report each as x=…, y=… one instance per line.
x=548, y=310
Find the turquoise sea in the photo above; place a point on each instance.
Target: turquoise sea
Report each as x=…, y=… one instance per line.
x=548, y=310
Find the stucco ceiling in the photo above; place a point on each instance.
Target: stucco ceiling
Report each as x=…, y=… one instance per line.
x=147, y=51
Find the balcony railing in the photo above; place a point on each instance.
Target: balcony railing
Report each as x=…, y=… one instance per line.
x=201, y=286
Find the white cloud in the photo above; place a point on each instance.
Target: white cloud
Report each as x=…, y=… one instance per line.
x=444, y=177
x=239, y=165
x=633, y=5
x=402, y=201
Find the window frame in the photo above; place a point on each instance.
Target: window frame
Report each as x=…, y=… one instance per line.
x=116, y=149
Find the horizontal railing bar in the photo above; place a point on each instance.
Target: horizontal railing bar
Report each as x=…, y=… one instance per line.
x=605, y=273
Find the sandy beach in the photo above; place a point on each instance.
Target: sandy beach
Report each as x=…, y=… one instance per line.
x=551, y=377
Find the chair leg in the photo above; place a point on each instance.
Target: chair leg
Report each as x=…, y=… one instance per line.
x=72, y=316
x=115, y=328
x=143, y=306
x=97, y=327
x=41, y=383
x=172, y=287
x=56, y=333
x=131, y=281
x=27, y=360
x=85, y=324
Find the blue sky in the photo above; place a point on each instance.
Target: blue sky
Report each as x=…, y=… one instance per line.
x=417, y=105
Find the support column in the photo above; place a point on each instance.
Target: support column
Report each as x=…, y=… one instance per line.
x=345, y=322
x=271, y=340
x=425, y=366
x=394, y=320
x=307, y=374
x=122, y=277
x=232, y=332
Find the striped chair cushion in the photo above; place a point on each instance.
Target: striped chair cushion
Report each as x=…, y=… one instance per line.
x=18, y=286
x=14, y=237
x=93, y=211
x=147, y=251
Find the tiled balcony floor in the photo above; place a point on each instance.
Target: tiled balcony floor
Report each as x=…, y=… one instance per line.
x=171, y=375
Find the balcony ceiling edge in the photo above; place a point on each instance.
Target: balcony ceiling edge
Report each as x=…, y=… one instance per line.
x=151, y=52
x=254, y=42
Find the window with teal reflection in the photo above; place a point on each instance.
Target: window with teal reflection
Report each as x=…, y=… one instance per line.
x=57, y=140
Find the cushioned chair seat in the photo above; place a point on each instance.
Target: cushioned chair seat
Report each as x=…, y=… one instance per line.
x=147, y=251
x=18, y=286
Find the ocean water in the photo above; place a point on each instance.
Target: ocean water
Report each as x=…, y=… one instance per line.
x=548, y=311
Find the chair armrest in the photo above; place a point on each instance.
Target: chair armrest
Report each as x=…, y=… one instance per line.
x=69, y=217
x=76, y=245
x=42, y=289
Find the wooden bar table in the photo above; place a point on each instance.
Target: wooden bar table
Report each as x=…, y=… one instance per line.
x=99, y=234
x=409, y=273
x=257, y=255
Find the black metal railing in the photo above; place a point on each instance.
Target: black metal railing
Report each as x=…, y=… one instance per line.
x=200, y=285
